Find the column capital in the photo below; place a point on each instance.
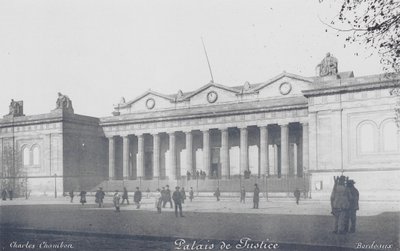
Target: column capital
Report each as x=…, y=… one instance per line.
x=283, y=124
x=187, y=131
x=223, y=128
x=171, y=133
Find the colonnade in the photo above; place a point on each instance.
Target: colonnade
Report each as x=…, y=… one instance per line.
x=225, y=172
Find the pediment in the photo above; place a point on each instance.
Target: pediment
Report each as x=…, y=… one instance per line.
x=283, y=85
x=212, y=93
x=148, y=101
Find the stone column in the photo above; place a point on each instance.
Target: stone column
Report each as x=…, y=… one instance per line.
x=264, y=161
x=140, y=157
x=284, y=149
x=305, y=147
x=156, y=155
x=312, y=141
x=111, y=158
x=172, y=156
x=206, y=151
x=244, y=150
x=189, y=152
x=125, y=157
x=225, y=168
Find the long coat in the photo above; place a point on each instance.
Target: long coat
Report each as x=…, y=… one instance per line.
x=256, y=197
x=137, y=196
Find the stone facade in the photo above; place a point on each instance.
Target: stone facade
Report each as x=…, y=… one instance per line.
x=289, y=127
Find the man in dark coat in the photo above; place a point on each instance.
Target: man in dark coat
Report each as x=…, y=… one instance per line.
x=137, y=197
x=217, y=193
x=256, y=197
x=177, y=197
x=340, y=203
x=83, y=197
x=297, y=195
x=100, y=196
x=353, y=206
x=125, y=196
x=183, y=194
x=10, y=193
x=167, y=197
x=4, y=194
x=71, y=195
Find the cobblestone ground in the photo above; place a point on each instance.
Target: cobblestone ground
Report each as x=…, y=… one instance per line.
x=298, y=227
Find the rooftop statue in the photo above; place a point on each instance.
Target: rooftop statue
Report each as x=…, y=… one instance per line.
x=63, y=102
x=328, y=66
x=16, y=108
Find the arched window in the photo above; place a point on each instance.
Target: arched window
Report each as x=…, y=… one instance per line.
x=25, y=156
x=35, y=155
x=366, y=133
x=389, y=136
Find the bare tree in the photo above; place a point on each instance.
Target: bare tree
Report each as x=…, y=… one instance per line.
x=375, y=24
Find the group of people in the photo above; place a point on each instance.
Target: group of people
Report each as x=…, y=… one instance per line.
x=199, y=174
x=256, y=195
x=6, y=193
x=178, y=196
x=82, y=194
x=344, y=205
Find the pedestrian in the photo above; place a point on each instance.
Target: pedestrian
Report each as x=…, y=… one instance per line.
x=191, y=194
x=354, y=197
x=159, y=200
x=83, y=197
x=188, y=175
x=167, y=194
x=100, y=196
x=137, y=197
x=116, y=200
x=4, y=194
x=340, y=203
x=243, y=195
x=297, y=195
x=217, y=193
x=177, y=197
x=71, y=195
x=10, y=193
x=183, y=194
x=125, y=196
x=256, y=197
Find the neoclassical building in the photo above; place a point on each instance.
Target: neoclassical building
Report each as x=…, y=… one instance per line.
x=284, y=133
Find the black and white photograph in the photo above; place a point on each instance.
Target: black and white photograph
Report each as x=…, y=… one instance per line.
x=161, y=125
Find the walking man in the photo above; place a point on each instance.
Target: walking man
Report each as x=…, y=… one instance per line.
x=191, y=194
x=297, y=195
x=116, y=200
x=183, y=194
x=217, y=193
x=125, y=196
x=100, y=196
x=340, y=203
x=256, y=197
x=137, y=197
x=177, y=197
x=83, y=197
x=167, y=197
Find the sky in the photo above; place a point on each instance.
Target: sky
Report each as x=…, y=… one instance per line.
x=97, y=51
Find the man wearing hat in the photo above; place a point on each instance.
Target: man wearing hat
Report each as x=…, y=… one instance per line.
x=167, y=196
x=137, y=197
x=100, y=196
x=354, y=197
x=177, y=197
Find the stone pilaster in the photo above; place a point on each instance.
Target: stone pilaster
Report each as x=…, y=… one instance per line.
x=206, y=151
x=111, y=158
x=172, y=156
x=189, y=152
x=244, y=150
x=140, y=157
x=156, y=155
x=225, y=168
x=264, y=161
x=125, y=157
x=284, y=149
x=305, y=147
